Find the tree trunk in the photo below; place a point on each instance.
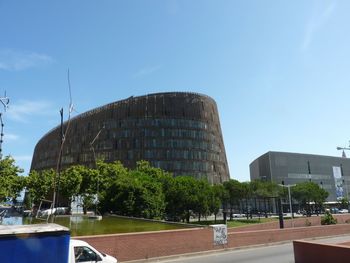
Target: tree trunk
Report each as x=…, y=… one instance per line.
x=247, y=212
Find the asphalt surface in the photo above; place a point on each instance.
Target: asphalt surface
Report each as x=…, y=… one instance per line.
x=280, y=253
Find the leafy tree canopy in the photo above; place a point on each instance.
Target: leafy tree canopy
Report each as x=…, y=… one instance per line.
x=11, y=183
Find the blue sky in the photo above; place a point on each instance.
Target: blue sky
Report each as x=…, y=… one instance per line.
x=278, y=70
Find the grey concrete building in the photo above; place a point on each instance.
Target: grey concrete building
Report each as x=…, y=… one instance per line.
x=177, y=131
x=331, y=173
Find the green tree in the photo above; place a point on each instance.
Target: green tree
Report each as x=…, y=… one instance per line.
x=156, y=173
x=235, y=192
x=217, y=198
x=70, y=182
x=344, y=203
x=181, y=197
x=308, y=192
x=90, y=183
x=11, y=183
x=107, y=174
x=174, y=206
x=18, y=183
x=150, y=202
x=135, y=194
x=263, y=190
x=247, y=193
x=40, y=184
x=202, y=198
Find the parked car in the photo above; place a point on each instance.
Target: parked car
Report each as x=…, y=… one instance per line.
x=343, y=211
x=334, y=210
x=238, y=215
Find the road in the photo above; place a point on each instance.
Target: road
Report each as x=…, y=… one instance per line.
x=281, y=253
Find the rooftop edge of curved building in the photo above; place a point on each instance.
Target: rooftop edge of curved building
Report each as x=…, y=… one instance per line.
x=86, y=113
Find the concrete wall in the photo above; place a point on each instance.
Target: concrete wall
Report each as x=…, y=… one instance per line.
x=306, y=252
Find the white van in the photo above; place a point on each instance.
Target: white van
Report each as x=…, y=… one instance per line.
x=80, y=251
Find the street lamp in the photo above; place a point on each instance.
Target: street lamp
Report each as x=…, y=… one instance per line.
x=290, y=199
x=343, y=149
x=5, y=102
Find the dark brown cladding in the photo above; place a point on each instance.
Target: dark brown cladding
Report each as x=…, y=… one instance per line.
x=176, y=131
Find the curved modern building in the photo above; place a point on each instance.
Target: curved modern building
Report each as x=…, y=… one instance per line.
x=176, y=131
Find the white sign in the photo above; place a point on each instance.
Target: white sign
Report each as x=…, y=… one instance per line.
x=339, y=191
x=220, y=234
x=337, y=172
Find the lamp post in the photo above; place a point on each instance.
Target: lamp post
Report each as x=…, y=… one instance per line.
x=343, y=149
x=290, y=199
x=5, y=102
x=342, y=174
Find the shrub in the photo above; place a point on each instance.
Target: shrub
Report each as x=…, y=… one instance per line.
x=328, y=219
x=307, y=222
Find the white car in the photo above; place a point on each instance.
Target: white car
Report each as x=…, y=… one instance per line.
x=238, y=215
x=343, y=211
x=80, y=251
x=55, y=211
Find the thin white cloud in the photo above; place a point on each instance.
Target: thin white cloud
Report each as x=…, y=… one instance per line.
x=11, y=137
x=24, y=110
x=147, y=71
x=22, y=158
x=13, y=60
x=315, y=23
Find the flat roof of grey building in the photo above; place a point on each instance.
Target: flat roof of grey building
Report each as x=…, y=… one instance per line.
x=303, y=154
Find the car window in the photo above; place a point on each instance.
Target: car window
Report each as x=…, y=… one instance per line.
x=85, y=254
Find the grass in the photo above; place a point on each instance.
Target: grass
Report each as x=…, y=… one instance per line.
x=238, y=222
